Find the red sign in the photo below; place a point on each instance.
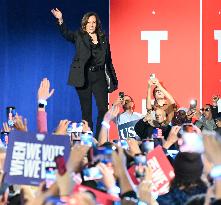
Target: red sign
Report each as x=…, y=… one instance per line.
x=162, y=170
x=160, y=37
x=101, y=197
x=211, y=49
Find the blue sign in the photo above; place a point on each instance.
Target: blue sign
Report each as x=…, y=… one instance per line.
x=29, y=154
x=126, y=130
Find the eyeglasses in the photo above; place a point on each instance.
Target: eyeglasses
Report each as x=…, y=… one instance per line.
x=205, y=109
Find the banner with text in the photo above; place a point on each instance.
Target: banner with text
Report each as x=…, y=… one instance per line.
x=126, y=130
x=29, y=154
x=163, y=171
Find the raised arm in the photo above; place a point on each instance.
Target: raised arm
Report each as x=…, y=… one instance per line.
x=164, y=91
x=44, y=94
x=68, y=35
x=108, y=117
x=58, y=15
x=148, y=100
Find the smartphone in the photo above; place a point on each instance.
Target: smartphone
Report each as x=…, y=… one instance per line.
x=186, y=128
x=102, y=154
x=191, y=142
x=152, y=76
x=121, y=95
x=91, y=173
x=121, y=143
x=147, y=145
x=86, y=138
x=193, y=104
x=11, y=112
x=140, y=164
x=4, y=139
x=124, y=144
x=50, y=176
x=60, y=164
x=75, y=127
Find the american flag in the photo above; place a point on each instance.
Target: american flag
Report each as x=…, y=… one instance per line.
x=159, y=133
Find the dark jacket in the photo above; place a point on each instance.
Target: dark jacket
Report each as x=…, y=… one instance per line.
x=83, y=53
x=144, y=130
x=180, y=197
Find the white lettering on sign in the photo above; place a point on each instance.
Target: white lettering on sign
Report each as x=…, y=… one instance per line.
x=154, y=38
x=217, y=36
x=159, y=179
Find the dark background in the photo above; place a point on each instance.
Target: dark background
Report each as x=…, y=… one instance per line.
x=32, y=48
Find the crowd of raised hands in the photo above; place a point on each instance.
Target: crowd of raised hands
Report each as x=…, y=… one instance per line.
x=117, y=181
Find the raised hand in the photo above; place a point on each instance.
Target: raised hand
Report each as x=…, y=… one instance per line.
x=108, y=177
x=111, y=113
x=20, y=124
x=212, y=145
x=133, y=146
x=6, y=128
x=62, y=127
x=57, y=13
x=44, y=90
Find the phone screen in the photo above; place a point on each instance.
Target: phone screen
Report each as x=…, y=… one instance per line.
x=103, y=154
x=91, y=173
x=75, y=127
x=50, y=176
x=86, y=138
x=4, y=139
x=193, y=104
x=147, y=145
x=140, y=164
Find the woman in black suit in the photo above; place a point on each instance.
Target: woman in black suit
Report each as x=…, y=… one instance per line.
x=91, y=71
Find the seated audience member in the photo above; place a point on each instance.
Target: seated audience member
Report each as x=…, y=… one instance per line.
x=162, y=99
x=128, y=113
x=218, y=123
x=145, y=127
x=206, y=121
x=188, y=168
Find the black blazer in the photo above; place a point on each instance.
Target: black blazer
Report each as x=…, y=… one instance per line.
x=83, y=53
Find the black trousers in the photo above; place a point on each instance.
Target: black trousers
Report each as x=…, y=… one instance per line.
x=95, y=84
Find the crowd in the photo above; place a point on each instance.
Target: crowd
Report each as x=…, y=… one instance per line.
x=104, y=165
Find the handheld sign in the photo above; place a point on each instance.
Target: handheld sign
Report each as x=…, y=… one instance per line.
x=29, y=154
x=126, y=130
x=162, y=170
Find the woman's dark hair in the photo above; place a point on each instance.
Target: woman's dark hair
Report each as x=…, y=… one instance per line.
x=84, y=22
